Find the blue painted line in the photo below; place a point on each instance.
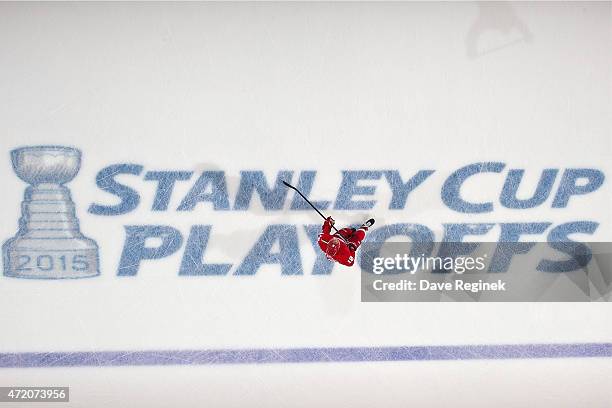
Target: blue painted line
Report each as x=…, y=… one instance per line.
x=303, y=355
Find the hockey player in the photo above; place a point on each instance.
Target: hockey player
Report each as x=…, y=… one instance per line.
x=341, y=246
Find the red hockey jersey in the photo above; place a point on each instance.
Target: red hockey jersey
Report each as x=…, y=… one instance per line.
x=347, y=240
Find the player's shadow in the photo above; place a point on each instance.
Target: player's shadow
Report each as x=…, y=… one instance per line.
x=498, y=25
x=229, y=241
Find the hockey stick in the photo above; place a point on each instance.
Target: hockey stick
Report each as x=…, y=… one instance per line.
x=308, y=201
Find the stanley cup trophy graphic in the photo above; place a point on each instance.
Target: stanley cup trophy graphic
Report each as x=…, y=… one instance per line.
x=48, y=244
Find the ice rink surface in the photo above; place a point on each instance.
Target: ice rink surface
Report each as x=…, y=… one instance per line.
x=325, y=87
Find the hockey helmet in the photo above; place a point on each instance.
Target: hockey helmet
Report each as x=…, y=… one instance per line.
x=333, y=246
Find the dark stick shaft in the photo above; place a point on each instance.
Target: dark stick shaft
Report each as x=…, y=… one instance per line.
x=308, y=201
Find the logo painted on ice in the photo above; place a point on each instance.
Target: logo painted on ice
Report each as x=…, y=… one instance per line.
x=48, y=244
